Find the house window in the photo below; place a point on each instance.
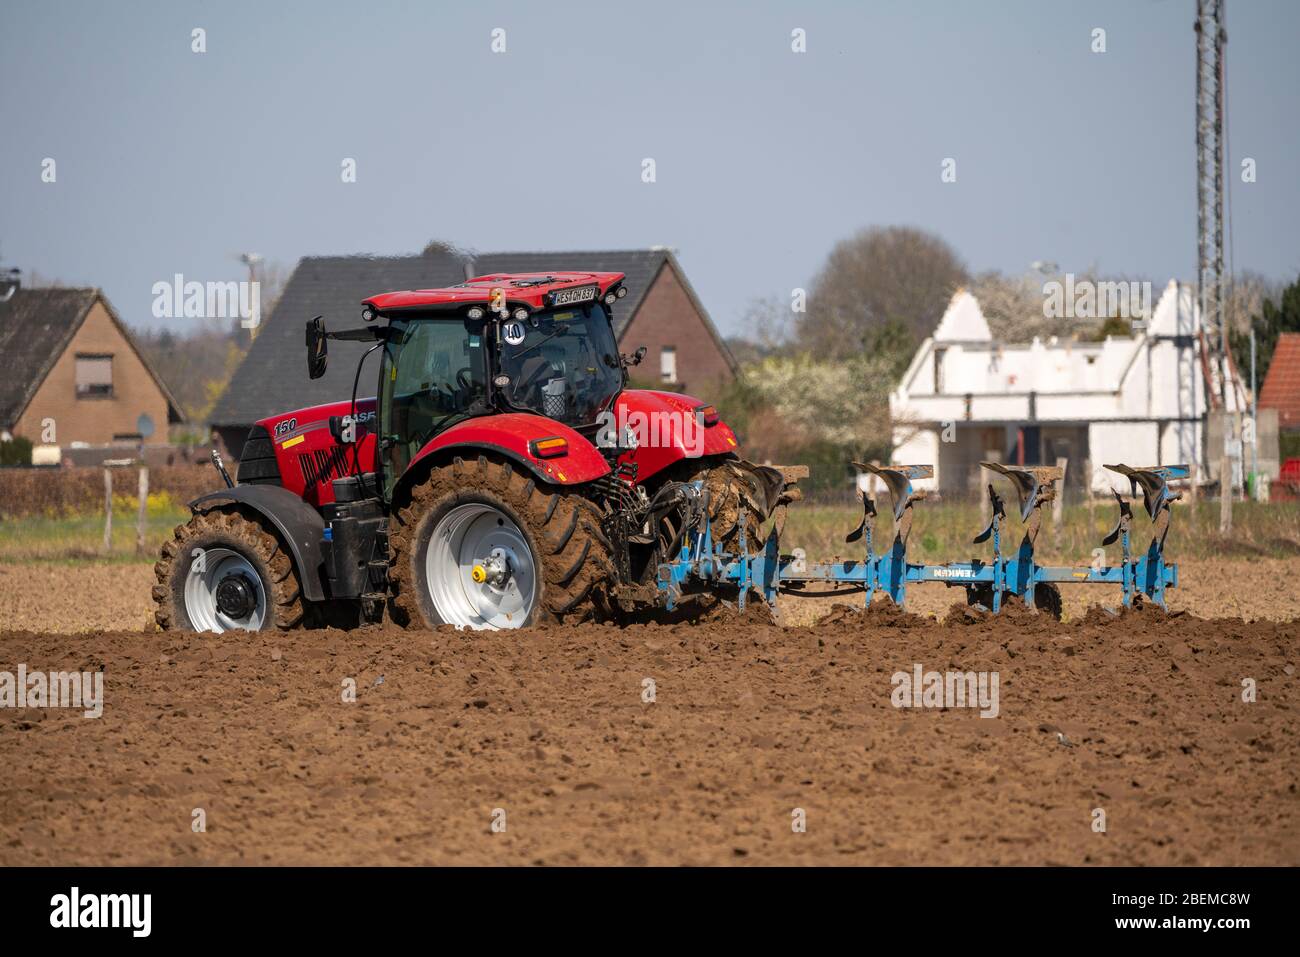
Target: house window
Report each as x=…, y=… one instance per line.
x=668, y=363
x=94, y=376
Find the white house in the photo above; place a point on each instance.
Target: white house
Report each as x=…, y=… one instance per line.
x=1140, y=400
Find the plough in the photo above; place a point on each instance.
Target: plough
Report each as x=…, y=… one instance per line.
x=988, y=583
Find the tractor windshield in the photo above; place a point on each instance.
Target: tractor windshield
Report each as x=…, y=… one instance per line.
x=563, y=365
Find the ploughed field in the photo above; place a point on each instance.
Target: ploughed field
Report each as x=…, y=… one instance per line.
x=94, y=596
x=752, y=728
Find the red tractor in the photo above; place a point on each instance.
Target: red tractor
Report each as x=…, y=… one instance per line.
x=504, y=475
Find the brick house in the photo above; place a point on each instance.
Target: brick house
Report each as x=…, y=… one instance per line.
x=661, y=312
x=1281, y=390
x=69, y=361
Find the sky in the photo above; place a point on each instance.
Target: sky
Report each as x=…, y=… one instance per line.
x=170, y=161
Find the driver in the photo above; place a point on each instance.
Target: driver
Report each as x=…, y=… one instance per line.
x=535, y=374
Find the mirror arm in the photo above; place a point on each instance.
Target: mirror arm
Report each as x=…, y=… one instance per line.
x=363, y=334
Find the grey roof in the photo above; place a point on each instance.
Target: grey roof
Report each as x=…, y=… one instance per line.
x=273, y=377
x=36, y=326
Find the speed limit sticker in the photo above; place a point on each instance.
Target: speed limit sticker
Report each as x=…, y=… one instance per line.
x=514, y=332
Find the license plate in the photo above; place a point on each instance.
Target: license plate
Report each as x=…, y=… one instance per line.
x=563, y=297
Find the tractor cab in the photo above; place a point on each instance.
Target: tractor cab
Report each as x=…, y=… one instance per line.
x=533, y=343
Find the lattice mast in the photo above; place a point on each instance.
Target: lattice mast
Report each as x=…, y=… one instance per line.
x=1211, y=37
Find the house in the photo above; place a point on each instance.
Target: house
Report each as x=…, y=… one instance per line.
x=1139, y=399
x=73, y=374
x=1281, y=389
x=661, y=312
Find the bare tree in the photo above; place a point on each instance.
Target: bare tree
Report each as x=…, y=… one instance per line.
x=882, y=276
x=436, y=248
x=1247, y=292
x=768, y=325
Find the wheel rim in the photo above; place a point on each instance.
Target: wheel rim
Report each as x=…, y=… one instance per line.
x=210, y=571
x=501, y=593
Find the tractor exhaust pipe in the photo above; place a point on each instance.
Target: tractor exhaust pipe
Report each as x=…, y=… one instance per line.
x=221, y=468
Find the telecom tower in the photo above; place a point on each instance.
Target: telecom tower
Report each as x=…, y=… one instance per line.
x=1211, y=37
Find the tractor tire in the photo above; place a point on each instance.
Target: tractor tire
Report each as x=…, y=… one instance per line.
x=732, y=484
x=223, y=571
x=551, y=559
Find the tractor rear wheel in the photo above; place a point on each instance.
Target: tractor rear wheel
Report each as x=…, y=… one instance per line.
x=483, y=545
x=735, y=486
x=224, y=571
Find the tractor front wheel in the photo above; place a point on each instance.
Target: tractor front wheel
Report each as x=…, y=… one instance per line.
x=482, y=545
x=223, y=571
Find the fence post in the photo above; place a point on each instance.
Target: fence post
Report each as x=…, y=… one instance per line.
x=108, y=509
x=140, y=515
x=1087, y=491
x=1058, y=502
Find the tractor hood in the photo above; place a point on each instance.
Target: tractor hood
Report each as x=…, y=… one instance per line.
x=550, y=450
x=670, y=427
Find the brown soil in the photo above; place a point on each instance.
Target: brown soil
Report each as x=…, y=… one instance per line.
x=90, y=596
x=1140, y=716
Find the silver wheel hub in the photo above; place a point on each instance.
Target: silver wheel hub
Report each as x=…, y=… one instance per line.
x=479, y=569
x=223, y=592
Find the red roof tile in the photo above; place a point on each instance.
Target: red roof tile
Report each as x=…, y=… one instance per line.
x=1281, y=389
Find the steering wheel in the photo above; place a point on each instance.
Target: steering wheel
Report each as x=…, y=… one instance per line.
x=464, y=379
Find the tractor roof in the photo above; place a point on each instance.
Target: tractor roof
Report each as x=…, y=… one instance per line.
x=523, y=288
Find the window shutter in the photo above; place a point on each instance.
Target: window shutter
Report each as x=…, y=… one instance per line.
x=94, y=375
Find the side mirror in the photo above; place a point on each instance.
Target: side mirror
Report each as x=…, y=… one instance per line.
x=317, y=348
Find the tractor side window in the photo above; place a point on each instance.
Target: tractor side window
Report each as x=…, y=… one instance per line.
x=433, y=377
